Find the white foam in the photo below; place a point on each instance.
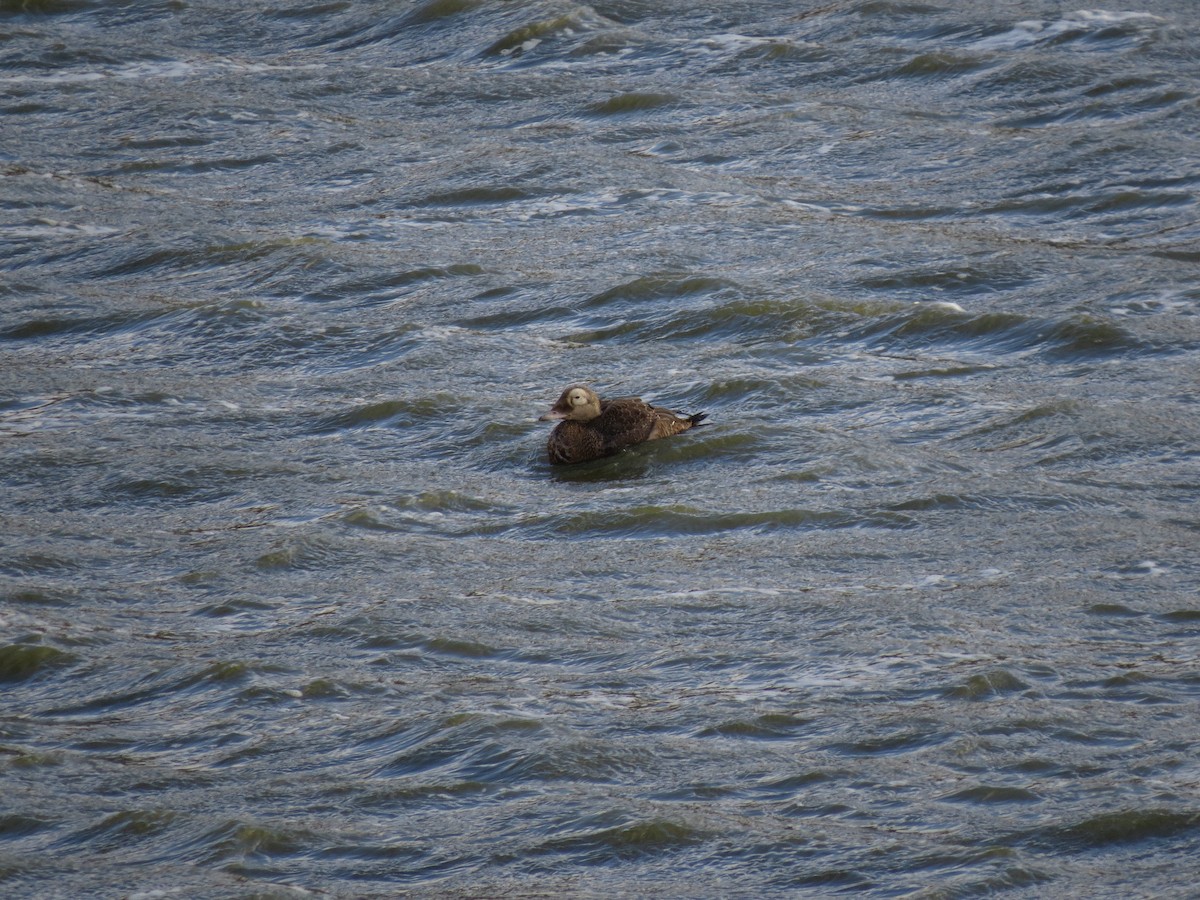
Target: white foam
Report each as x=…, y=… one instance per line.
x=947, y=305
x=1034, y=31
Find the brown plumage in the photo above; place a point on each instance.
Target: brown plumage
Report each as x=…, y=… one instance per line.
x=589, y=428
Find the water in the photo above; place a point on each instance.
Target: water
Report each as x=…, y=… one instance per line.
x=292, y=602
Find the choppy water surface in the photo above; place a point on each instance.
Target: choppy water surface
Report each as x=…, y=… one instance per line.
x=292, y=602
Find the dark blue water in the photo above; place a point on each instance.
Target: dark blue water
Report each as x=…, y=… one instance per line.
x=291, y=602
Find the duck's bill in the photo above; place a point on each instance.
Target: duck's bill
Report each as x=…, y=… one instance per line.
x=552, y=416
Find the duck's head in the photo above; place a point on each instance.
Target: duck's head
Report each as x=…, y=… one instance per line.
x=577, y=403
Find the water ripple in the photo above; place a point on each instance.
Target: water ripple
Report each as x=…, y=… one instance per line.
x=291, y=595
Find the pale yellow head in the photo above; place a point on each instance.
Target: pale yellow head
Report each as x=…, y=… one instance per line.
x=577, y=403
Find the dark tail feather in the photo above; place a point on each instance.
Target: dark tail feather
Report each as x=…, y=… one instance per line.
x=698, y=419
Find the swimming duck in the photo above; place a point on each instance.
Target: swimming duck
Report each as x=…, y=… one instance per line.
x=589, y=428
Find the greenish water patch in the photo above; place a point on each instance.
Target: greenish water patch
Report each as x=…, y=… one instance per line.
x=624, y=104
x=643, y=838
x=647, y=521
x=987, y=685
x=1123, y=827
x=768, y=726
x=21, y=662
x=391, y=413
x=436, y=10
x=990, y=794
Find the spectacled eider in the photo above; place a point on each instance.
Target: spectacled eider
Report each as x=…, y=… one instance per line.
x=589, y=428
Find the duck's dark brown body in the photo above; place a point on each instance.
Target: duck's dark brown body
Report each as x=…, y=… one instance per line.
x=591, y=428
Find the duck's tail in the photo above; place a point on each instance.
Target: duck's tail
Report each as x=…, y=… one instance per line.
x=698, y=419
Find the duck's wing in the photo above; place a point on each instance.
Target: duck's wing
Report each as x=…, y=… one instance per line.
x=624, y=421
x=668, y=422
x=605, y=404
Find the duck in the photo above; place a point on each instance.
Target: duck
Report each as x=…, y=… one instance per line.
x=590, y=428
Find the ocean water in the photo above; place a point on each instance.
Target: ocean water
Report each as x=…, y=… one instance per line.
x=291, y=603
